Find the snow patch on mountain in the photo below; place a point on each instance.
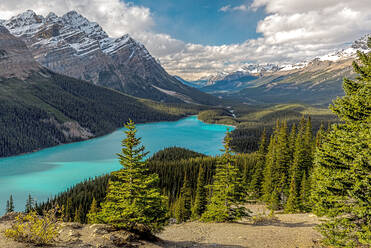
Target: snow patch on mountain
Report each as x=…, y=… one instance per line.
x=343, y=54
x=70, y=31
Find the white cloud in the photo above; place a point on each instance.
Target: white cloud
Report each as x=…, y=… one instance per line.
x=236, y=8
x=293, y=30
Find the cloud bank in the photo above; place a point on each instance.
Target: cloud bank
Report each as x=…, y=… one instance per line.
x=292, y=31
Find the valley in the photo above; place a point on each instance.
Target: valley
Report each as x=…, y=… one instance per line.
x=104, y=143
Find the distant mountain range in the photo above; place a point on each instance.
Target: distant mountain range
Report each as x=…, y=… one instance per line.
x=73, y=46
x=317, y=81
x=40, y=108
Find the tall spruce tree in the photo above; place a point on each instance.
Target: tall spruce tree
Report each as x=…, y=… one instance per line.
x=281, y=166
x=292, y=140
x=292, y=204
x=257, y=178
x=78, y=215
x=342, y=188
x=226, y=199
x=200, y=202
x=267, y=187
x=29, y=204
x=184, y=202
x=9, y=205
x=93, y=212
x=133, y=199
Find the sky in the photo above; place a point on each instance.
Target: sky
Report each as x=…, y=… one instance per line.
x=196, y=38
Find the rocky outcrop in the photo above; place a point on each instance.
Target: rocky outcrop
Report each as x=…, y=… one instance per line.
x=74, y=46
x=15, y=59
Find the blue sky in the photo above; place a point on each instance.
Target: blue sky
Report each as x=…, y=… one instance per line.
x=202, y=21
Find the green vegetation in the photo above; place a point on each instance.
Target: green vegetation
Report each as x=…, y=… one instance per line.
x=227, y=190
x=250, y=121
x=32, y=228
x=9, y=205
x=133, y=201
x=196, y=168
x=44, y=111
x=342, y=188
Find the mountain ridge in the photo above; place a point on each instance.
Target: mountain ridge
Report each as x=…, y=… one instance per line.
x=318, y=80
x=73, y=46
x=40, y=108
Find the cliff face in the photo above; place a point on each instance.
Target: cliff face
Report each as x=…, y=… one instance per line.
x=15, y=59
x=74, y=46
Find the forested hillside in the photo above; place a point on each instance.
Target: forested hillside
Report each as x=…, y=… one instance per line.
x=48, y=109
x=250, y=121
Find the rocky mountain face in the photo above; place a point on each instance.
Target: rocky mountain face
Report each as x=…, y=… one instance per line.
x=316, y=81
x=74, y=46
x=15, y=59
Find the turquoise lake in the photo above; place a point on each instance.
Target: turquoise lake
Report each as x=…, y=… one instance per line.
x=50, y=171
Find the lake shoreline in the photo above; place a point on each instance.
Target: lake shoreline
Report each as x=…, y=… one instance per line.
x=50, y=171
x=94, y=137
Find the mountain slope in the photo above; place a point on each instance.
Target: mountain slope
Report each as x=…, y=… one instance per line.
x=72, y=45
x=39, y=108
x=318, y=81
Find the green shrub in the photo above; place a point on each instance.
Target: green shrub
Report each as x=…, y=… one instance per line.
x=31, y=228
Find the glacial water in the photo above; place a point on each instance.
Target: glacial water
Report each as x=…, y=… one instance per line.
x=49, y=171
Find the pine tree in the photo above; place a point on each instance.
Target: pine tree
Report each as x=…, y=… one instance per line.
x=78, y=215
x=93, y=212
x=226, y=189
x=9, y=205
x=267, y=187
x=29, y=204
x=342, y=188
x=292, y=204
x=319, y=136
x=200, y=202
x=308, y=147
x=133, y=200
x=257, y=178
x=183, y=204
x=292, y=140
x=305, y=193
x=68, y=210
x=281, y=164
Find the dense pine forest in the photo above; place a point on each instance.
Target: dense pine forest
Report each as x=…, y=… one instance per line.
x=49, y=110
x=251, y=121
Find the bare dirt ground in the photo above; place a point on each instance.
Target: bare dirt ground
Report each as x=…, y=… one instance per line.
x=287, y=231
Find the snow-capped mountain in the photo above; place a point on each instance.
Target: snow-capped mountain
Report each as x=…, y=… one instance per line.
x=254, y=69
x=74, y=46
x=317, y=80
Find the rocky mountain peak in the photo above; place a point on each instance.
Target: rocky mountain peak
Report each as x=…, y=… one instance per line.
x=361, y=43
x=25, y=19
x=74, y=46
x=77, y=21
x=52, y=17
